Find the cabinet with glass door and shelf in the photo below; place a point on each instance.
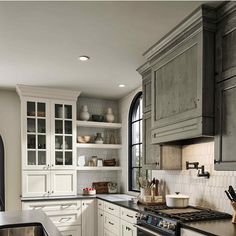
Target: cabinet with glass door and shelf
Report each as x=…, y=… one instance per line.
x=48, y=129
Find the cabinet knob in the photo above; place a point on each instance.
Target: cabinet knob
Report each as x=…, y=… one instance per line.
x=52, y=191
x=216, y=162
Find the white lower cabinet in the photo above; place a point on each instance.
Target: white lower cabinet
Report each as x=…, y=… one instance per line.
x=127, y=229
x=70, y=230
x=108, y=233
x=115, y=221
x=100, y=217
x=88, y=217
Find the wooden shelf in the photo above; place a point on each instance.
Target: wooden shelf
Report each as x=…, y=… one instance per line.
x=94, y=145
x=93, y=124
x=84, y=168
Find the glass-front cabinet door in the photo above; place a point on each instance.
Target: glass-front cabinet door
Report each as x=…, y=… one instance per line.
x=37, y=151
x=64, y=131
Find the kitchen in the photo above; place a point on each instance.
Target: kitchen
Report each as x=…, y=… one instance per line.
x=78, y=149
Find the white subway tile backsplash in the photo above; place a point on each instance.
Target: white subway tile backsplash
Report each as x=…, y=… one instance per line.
x=203, y=192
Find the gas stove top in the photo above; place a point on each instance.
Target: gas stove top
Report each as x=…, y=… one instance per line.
x=167, y=221
x=189, y=214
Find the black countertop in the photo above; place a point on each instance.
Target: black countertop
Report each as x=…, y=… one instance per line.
x=210, y=228
x=213, y=228
x=27, y=218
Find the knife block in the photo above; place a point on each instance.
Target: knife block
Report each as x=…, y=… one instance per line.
x=234, y=214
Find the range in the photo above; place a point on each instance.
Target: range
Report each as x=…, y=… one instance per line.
x=162, y=220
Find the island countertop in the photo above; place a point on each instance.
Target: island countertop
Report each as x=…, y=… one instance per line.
x=28, y=218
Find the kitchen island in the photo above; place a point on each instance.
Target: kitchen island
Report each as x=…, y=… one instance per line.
x=37, y=219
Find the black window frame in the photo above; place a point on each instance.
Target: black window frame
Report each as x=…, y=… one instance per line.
x=137, y=97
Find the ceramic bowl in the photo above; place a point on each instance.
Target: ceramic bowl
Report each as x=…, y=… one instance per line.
x=84, y=139
x=98, y=118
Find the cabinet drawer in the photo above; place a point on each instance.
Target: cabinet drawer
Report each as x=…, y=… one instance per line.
x=111, y=223
x=70, y=230
x=128, y=215
x=66, y=218
x=112, y=209
x=100, y=204
x=53, y=206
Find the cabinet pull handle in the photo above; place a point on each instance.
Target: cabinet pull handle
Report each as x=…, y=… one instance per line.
x=129, y=216
x=111, y=223
x=64, y=206
x=128, y=228
x=37, y=207
x=64, y=219
x=112, y=209
x=48, y=192
x=101, y=214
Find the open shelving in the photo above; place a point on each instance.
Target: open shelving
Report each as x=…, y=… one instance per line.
x=98, y=168
x=94, y=145
x=93, y=124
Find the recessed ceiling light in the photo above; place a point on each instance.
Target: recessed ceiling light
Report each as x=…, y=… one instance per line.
x=84, y=58
x=121, y=85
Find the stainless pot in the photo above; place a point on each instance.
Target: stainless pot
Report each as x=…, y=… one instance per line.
x=177, y=200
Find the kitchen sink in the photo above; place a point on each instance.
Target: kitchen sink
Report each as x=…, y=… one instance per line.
x=32, y=230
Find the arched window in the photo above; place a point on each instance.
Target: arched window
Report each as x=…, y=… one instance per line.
x=135, y=142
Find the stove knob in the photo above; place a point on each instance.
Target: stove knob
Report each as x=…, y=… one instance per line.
x=171, y=226
x=161, y=223
x=165, y=224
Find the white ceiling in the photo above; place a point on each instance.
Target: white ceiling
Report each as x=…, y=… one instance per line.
x=40, y=42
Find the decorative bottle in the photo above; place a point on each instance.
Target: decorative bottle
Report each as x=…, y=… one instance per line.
x=84, y=115
x=109, y=115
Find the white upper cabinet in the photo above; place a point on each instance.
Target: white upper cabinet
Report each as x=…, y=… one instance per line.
x=48, y=136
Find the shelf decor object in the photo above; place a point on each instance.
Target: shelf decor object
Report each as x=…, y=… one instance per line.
x=84, y=114
x=109, y=115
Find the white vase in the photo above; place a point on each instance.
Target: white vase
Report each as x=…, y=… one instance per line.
x=109, y=115
x=84, y=115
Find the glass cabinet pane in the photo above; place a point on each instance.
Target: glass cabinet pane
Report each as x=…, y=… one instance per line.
x=30, y=125
x=68, y=158
x=31, y=140
x=68, y=142
x=42, y=158
x=41, y=141
x=59, y=158
x=58, y=142
x=31, y=158
x=58, y=111
x=30, y=108
x=58, y=126
x=68, y=112
x=41, y=112
x=68, y=127
x=41, y=126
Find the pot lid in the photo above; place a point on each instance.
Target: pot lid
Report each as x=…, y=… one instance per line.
x=177, y=196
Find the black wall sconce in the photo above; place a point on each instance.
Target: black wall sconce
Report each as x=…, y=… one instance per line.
x=201, y=170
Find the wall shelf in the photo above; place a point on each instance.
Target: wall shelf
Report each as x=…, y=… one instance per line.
x=84, y=168
x=93, y=124
x=94, y=145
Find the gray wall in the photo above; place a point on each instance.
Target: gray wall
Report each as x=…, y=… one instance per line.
x=10, y=131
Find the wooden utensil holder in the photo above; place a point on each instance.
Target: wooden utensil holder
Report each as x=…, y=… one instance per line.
x=234, y=214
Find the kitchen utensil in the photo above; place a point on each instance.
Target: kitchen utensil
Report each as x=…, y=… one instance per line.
x=234, y=214
x=232, y=193
x=228, y=195
x=156, y=184
x=112, y=187
x=177, y=200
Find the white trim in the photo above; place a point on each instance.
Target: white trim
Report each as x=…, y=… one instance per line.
x=45, y=92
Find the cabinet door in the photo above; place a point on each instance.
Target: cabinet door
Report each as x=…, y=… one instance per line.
x=35, y=134
x=151, y=153
x=100, y=222
x=70, y=230
x=127, y=229
x=108, y=233
x=88, y=217
x=225, y=125
x=63, y=135
x=147, y=92
x=63, y=183
x=226, y=47
x=35, y=183
x=180, y=83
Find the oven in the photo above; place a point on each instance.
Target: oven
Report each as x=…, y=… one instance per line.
x=149, y=224
x=144, y=231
